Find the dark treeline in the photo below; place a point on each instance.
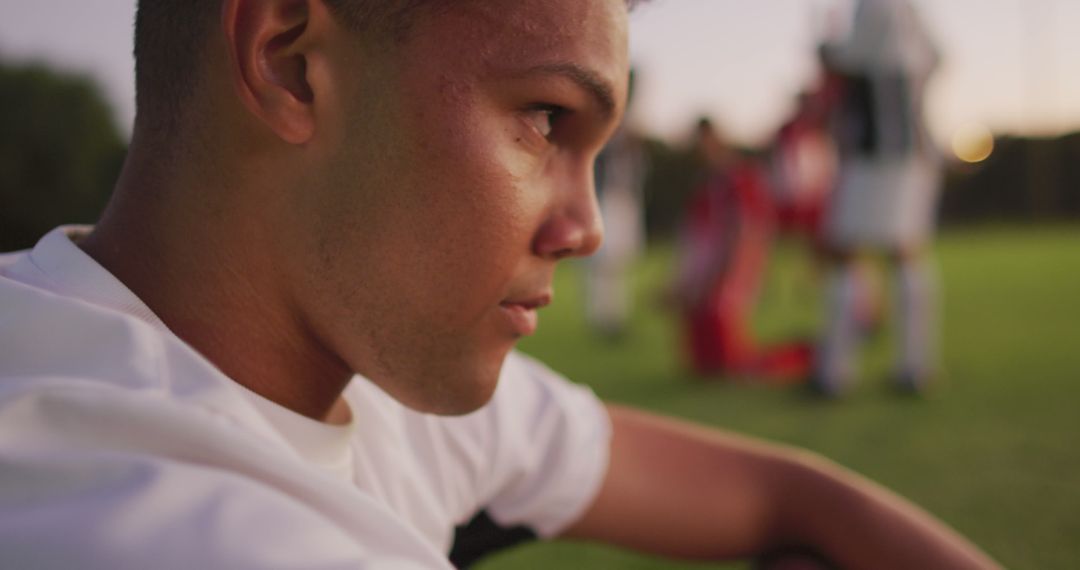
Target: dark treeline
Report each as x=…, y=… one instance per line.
x=1035, y=179
x=60, y=152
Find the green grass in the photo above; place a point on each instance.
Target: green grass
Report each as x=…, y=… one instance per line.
x=995, y=451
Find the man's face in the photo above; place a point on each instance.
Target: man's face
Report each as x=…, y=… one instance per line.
x=459, y=173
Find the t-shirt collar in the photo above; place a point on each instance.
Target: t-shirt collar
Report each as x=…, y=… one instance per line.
x=70, y=272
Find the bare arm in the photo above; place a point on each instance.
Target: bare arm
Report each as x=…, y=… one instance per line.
x=685, y=491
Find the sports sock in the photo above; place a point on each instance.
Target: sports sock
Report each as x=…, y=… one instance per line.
x=916, y=286
x=835, y=366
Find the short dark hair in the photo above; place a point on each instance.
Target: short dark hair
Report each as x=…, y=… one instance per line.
x=171, y=36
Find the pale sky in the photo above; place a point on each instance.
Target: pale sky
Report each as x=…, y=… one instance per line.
x=1012, y=65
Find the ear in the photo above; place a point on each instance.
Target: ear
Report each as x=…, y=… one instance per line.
x=270, y=43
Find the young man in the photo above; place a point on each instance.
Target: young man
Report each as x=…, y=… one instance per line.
x=322, y=189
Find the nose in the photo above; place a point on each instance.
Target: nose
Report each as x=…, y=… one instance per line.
x=573, y=227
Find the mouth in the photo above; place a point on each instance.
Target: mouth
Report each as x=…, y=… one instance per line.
x=522, y=312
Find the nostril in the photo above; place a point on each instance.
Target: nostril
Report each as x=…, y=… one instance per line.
x=563, y=253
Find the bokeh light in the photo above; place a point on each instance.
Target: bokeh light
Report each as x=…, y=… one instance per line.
x=973, y=143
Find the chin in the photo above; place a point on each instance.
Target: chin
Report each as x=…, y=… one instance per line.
x=467, y=391
x=461, y=405
x=453, y=390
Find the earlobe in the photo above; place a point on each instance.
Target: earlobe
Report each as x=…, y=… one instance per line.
x=269, y=45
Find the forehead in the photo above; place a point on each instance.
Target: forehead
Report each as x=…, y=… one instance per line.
x=485, y=39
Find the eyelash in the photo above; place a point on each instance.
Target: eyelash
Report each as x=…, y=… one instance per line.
x=553, y=113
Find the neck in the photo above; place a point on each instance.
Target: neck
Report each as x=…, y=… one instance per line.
x=182, y=243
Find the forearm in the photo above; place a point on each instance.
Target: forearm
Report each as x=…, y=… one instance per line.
x=858, y=524
x=685, y=491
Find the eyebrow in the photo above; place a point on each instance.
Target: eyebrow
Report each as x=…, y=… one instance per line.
x=600, y=89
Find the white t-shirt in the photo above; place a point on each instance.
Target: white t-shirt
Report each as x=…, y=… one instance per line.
x=122, y=448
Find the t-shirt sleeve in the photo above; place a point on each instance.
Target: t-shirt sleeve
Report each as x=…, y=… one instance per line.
x=550, y=443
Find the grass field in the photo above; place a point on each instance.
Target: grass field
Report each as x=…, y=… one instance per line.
x=995, y=451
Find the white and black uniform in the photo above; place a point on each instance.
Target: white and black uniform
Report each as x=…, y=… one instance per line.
x=889, y=174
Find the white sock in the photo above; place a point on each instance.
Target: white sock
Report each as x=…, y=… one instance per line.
x=835, y=366
x=916, y=286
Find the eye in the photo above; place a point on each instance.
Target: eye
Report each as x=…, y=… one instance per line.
x=543, y=117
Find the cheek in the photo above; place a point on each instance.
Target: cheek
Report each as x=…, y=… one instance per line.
x=448, y=213
x=473, y=197
x=439, y=240
x=476, y=227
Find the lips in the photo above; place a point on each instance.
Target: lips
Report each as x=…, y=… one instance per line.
x=521, y=312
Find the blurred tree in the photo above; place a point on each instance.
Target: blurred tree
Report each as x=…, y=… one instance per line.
x=1025, y=180
x=60, y=152
x=673, y=172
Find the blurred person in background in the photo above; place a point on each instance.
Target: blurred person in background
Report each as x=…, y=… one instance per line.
x=887, y=189
x=288, y=343
x=723, y=253
x=620, y=173
x=804, y=163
